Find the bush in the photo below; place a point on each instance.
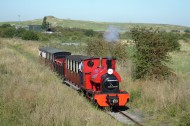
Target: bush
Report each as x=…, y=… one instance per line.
x=151, y=54
x=9, y=32
x=187, y=30
x=172, y=40
x=97, y=47
x=89, y=32
x=5, y=25
x=20, y=32
x=30, y=35
x=118, y=50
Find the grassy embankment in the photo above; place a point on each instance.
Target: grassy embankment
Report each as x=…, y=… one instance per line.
x=31, y=94
x=166, y=102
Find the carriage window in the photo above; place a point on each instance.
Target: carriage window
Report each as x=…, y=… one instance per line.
x=67, y=63
x=90, y=63
x=70, y=65
x=49, y=56
x=76, y=64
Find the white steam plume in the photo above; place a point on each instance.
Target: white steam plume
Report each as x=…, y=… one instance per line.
x=111, y=34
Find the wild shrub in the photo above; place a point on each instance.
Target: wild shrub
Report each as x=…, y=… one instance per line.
x=1, y=32
x=100, y=47
x=187, y=30
x=171, y=39
x=9, y=32
x=89, y=32
x=20, y=32
x=5, y=25
x=30, y=35
x=118, y=50
x=97, y=47
x=184, y=120
x=151, y=53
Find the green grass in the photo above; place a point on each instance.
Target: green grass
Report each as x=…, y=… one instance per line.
x=180, y=60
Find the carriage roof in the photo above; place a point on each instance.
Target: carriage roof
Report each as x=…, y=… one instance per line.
x=80, y=58
x=53, y=50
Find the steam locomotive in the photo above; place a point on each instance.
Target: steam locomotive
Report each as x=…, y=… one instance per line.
x=99, y=80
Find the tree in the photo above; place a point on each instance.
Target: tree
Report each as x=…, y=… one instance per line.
x=151, y=53
x=45, y=23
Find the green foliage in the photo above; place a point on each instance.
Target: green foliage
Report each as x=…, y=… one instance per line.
x=172, y=40
x=118, y=50
x=9, y=32
x=20, y=32
x=187, y=30
x=89, y=32
x=74, y=34
x=97, y=47
x=151, y=54
x=125, y=35
x=29, y=35
x=5, y=25
x=135, y=94
x=184, y=120
x=44, y=23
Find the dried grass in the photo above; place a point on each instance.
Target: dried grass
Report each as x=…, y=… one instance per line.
x=31, y=94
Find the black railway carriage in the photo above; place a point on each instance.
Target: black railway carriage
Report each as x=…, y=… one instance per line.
x=50, y=55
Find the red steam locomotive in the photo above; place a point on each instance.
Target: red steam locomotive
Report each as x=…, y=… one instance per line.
x=96, y=77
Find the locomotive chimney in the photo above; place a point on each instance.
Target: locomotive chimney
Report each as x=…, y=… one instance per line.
x=109, y=63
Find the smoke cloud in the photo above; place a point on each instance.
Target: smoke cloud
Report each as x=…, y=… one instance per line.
x=111, y=34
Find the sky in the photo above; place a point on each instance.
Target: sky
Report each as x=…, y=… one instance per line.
x=176, y=12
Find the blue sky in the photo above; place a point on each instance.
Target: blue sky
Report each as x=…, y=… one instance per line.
x=175, y=12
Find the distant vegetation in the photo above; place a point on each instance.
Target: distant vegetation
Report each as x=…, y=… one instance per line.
x=96, y=26
x=61, y=34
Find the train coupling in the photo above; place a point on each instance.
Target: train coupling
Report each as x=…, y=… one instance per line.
x=112, y=100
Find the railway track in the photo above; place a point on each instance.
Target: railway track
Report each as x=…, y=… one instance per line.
x=125, y=117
